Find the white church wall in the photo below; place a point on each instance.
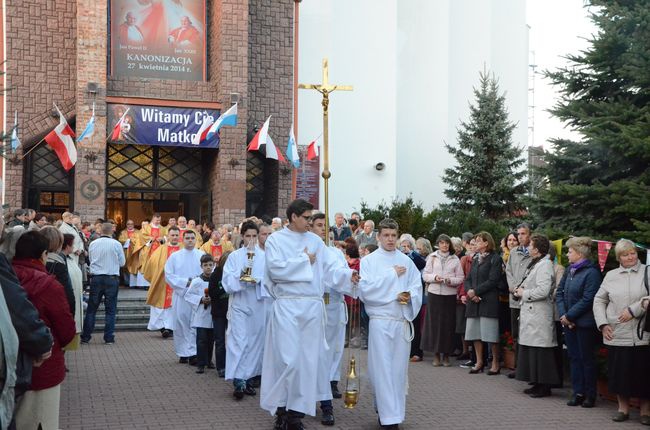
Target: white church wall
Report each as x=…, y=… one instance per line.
x=359, y=40
x=413, y=65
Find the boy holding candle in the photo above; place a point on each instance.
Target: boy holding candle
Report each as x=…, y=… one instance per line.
x=197, y=296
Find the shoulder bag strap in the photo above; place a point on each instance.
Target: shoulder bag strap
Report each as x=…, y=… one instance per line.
x=643, y=326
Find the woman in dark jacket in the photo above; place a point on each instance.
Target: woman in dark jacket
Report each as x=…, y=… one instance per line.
x=56, y=263
x=219, y=309
x=575, y=299
x=482, y=310
x=40, y=404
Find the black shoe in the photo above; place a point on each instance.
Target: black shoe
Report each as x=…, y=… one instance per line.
x=249, y=391
x=200, y=369
x=183, y=360
x=512, y=375
x=542, y=391
x=532, y=389
x=494, y=372
x=280, y=421
x=335, y=391
x=390, y=426
x=221, y=373
x=467, y=365
x=85, y=341
x=475, y=370
x=295, y=426
x=576, y=400
x=328, y=418
x=165, y=333
x=109, y=342
x=589, y=402
x=255, y=381
x=211, y=366
x=238, y=393
x=193, y=360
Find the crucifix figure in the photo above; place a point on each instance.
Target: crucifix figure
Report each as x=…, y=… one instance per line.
x=325, y=89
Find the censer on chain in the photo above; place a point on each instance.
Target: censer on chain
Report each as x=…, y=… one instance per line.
x=247, y=273
x=352, y=381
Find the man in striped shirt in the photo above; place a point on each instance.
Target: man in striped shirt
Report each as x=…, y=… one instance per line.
x=106, y=258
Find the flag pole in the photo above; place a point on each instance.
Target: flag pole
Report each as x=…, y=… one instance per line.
x=31, y=149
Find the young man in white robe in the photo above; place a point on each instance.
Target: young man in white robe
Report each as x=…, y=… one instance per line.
x=246, y=313
x=295, y=337
x=336, y=323
x=391, y=289
x=181, y=267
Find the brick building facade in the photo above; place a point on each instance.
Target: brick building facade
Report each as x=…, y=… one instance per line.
x=57, y=52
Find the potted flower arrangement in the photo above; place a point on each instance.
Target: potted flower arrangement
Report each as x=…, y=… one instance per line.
x=508, y=347
x=601, y=365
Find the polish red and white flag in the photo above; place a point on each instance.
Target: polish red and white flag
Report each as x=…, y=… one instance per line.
x=117, y=130
x=313, y=150
x=61, y=140
x=272, y=151
x=260, y=137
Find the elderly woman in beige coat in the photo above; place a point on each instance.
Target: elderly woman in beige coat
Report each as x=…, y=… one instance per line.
x=537, y=336
x=618, y=308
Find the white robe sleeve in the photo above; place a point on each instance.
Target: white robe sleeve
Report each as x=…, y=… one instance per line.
x=195, y=293
x=280, y=269
x=338, y=276
x=231, y=273
x=414, y=287
x=377, y=284
x=176, y=281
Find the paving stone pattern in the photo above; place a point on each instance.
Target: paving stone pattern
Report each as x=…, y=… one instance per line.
x=137, y=383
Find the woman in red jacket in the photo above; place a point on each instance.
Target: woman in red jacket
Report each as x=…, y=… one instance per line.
x=40, y=404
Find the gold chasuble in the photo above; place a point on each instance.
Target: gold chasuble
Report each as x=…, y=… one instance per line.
x=217, y=250
x=148, y=236
x=159, y=294
x=132, y=253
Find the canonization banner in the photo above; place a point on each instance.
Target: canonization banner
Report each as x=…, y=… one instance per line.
x=161, y=126
x=162, y=39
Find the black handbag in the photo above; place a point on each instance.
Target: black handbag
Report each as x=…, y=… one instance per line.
x=644, y=322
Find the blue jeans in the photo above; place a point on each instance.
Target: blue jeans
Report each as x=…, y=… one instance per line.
x=581, y=347
x=105, y=286
x=219, y=325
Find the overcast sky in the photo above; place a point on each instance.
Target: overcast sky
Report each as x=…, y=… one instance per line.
x=557, y=27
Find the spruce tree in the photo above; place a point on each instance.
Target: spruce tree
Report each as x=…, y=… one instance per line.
x=601, y=185
x=487, y=177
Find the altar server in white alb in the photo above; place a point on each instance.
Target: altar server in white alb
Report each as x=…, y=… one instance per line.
x=295, y=339
x=391, y=289
x=246, y=312
x=181, y=267
x=197, y=296
x=336, y=321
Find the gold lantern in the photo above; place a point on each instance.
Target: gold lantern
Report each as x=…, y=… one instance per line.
x=353, y=382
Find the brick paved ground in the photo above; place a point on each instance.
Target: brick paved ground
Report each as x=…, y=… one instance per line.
x=138, y=384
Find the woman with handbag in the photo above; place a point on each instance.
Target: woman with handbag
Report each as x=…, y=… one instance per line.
x=537, y=338
x=618, y=309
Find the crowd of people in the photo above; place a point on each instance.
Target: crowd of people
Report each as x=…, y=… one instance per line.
x=248, y=300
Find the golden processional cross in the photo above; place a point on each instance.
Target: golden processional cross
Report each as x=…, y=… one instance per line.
x=325, y=89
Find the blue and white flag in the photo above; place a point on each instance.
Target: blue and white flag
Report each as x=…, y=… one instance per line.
x=292, y=149
x=15, y=142
x=229, y=117
x=90, y=127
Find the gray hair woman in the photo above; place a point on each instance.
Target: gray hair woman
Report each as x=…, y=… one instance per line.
x=618, y=308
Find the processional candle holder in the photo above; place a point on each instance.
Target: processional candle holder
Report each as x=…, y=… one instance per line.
x=352, y=381
x=247, y=273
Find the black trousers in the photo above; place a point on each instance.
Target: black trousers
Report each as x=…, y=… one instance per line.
x=204, y=346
